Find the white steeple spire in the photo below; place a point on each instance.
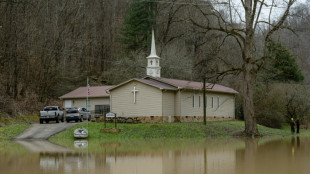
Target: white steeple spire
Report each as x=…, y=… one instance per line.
x=153, y=68
x=153, y=49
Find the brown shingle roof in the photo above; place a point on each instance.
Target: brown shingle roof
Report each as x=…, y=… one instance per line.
x=81, y=92
x=174, y=84
x=194, y=85
x=158, y=84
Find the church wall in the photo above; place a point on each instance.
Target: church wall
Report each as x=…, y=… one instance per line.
x=187, y=108
x=177, y=103
x=148, y=100
x=168, y=103
x=154, y=105
x=223, y=104
x=81, y=102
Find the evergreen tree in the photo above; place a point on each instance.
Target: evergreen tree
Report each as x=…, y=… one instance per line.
x=138, y=24
x=283, y=66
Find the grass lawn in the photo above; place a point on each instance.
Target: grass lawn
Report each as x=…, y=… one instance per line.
x=9, y=132
x=170, y=130
x=6, y=121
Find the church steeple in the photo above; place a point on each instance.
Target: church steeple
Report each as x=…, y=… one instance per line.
x=153, y=68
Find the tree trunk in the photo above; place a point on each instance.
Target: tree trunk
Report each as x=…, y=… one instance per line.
x=249, y=76
x=248, y=104
x=249, y=73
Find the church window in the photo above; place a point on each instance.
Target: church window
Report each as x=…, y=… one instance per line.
x=212, y=102
x=218, y=102
x=199, y=101
x=151, y=62
x=193, y=101
x=102, y=109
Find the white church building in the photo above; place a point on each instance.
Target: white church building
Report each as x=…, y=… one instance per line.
x=157, y=99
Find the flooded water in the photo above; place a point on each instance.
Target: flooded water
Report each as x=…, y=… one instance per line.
x=211, y=156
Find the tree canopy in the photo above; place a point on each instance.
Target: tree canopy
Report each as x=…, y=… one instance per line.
x=138, y=23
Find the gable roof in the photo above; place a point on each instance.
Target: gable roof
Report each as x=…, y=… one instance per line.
x=81, y=92
x=184, y=84
x=174, y=84
x=149, y=82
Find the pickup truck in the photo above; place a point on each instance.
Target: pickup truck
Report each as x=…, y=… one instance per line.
x=50, y=113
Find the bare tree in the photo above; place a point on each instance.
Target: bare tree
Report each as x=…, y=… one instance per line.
x=249, y=13
x=48, y=47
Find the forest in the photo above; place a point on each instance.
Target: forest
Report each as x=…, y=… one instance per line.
x=48, y=48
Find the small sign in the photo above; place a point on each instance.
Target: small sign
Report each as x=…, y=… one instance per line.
x=80, y=133
x=110, y=115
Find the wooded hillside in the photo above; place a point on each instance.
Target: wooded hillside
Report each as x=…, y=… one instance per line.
x=48, y=48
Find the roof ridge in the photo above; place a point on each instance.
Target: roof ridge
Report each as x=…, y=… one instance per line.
x=158, y=79
x=191, y=84
x=151, y=79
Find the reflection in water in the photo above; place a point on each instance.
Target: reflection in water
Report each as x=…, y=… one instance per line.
x=246, y=156
x=80, y=144
x=51, y=162
x=275, y=157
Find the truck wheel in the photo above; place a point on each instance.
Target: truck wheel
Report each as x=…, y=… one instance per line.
x=41, y=121
x=57, y=119
x=63, y=119
x=76, y=120
x=47, y=121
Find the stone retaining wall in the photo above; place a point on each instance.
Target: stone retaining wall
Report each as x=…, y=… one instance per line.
x=163, y=119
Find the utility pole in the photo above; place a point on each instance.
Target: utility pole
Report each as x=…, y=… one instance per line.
x=204, y=102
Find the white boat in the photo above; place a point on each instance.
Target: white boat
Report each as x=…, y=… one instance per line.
x=80, y=133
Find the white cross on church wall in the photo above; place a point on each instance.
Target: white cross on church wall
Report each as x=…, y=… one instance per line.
x=134, y=94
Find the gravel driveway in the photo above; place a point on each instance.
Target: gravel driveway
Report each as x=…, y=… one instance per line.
x=43, y=131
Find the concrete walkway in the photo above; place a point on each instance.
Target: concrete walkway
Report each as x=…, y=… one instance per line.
x=36, y=136
x=43, y=131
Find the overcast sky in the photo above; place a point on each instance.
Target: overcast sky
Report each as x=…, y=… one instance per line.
x=276, y=11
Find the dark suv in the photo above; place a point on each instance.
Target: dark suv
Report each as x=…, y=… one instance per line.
x=77, y=114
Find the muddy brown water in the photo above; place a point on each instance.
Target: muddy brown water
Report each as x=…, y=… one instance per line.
x=211, y=156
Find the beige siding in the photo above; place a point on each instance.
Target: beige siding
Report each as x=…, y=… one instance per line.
x=168, y=103
x=148, y=100
x=225, y=107
x=177, y=104
x=92, y=101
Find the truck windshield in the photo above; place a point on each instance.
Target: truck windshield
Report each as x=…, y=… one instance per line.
x=50, y=109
